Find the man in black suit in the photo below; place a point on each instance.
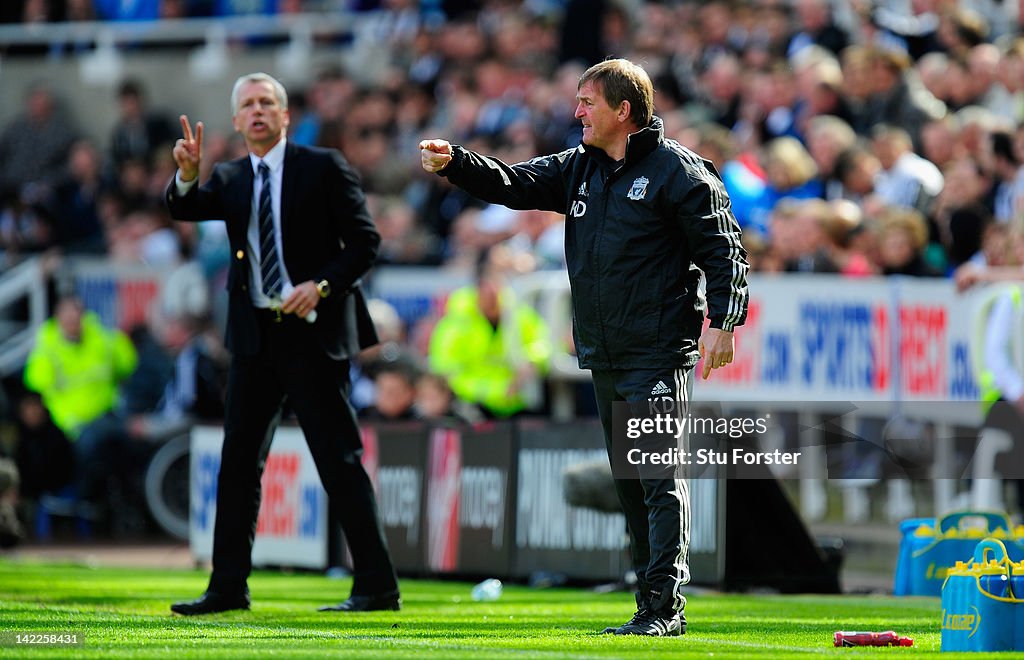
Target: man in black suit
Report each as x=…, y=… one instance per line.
x=301, y=238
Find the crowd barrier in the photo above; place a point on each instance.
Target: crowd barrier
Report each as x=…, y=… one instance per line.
x=483, y=500
x=489, y=501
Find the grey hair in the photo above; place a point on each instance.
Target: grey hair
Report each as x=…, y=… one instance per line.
x=279, y=91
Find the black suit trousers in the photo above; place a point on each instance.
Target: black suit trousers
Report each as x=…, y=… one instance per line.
x=291, y=365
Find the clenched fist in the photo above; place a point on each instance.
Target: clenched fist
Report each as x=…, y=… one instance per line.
x=435, y=155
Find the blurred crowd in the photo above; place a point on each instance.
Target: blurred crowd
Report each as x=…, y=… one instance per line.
x=856, y=137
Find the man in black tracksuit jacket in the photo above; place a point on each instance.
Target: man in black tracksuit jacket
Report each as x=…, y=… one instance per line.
x=645, y=219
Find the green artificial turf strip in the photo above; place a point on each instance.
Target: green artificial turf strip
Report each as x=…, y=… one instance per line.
x=123, y=613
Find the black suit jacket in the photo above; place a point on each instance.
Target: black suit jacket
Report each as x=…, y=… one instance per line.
x=327, y=233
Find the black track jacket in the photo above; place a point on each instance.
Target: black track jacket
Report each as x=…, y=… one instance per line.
x=638, y=235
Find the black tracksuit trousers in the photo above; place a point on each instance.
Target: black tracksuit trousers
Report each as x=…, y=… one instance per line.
x=657, y=510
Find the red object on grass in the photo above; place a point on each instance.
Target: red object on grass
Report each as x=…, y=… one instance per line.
x=887, y=638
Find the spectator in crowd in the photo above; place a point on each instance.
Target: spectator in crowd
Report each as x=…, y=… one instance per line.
x=76, y=366
x=983, y=64
x=77, y=227
x=798, y=233
x=403, y=241
x=959, y=214
x=790, y=172
x=816, y=26
x=905, y=179
x=435, y=402
x=897, y=98
x=34, y=147
x=939, y=140
x=902, y=237
x=582, y=34
x=856, y=62
x=820, y=84
x=976, y=125
x=144, y=236
x=827, y=137
x=1008, y=200
x=539, y=240
x=1011, y=77
x=933, y=70
x=26, y=227
x=852, y=244
x=133, y=186
x=391, y=334
x=960, y=29
x=721, y=87
x=43, y=453
x=396, y=392
x=138, y=132
x=491, y=348
x=769, y=110
x=960, y=89
x=857, y=169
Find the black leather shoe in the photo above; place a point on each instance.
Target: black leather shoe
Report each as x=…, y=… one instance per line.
x=212, y=602
x=386, y=601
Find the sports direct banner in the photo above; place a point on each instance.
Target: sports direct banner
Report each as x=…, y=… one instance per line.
x=292, y=525
x=828, y=338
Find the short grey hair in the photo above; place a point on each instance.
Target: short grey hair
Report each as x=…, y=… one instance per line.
x=279, y=91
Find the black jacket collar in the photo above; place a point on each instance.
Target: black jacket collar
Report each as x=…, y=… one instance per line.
x=638, y=144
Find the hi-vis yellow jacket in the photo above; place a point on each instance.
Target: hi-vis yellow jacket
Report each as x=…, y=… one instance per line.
x=481, y=362
x=78, y=381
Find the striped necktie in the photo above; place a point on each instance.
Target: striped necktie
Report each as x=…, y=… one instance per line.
x=270, y=268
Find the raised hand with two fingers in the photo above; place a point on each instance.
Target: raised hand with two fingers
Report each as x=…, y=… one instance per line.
x=188, y=150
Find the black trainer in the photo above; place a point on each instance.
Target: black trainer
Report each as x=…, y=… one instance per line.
x=648, y=622
x=641, y=609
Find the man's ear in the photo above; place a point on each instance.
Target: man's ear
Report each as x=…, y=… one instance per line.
x=624, y=111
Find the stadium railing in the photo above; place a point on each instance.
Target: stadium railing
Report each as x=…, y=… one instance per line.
x=23, y=309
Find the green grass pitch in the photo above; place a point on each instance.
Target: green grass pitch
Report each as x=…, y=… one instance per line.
x=123, y=613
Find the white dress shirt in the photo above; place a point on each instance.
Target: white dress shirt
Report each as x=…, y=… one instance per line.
x=275, y=161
